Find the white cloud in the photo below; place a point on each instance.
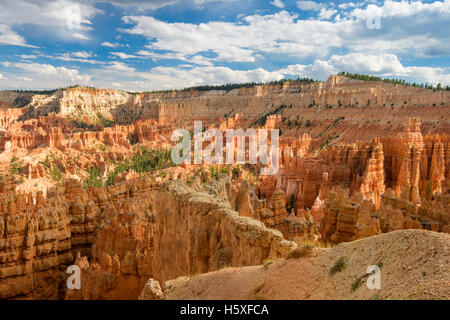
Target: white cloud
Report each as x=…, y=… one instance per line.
x=48, y=13
x=217, y=75
x=120, y=75
x=120, y=66
x=2, y=77
x=73, y=57
x=347, y=5
x=28, y=56
x=44, y=75
x=142, y=4
x=80, y=36
x=408, y=28
x=309, y=5
x=326, y=13
x=65, y=18
x=277, y=3
x=109, y=44
x=82, y=54
x=384, y=65
x=123, y=55
x=8, y=36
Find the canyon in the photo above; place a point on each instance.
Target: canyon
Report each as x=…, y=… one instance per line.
x=86, y=179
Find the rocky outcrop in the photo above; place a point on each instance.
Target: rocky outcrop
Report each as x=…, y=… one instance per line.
x=406, y=258
x=121, y=236
x=122, y=252
x=243, y=202
x=40, y=237
x=350, y=102
x=197, y=232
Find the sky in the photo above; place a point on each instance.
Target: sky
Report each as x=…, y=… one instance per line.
x=165, y=44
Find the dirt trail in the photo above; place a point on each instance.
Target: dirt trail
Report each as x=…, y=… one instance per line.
x=414, y=265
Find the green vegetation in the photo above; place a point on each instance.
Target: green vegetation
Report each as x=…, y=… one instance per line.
x=235, y=173
x=225, y=169
x=83, y=125
x=338, y=266
x=258, y=288
x=94, y=179
x=16, y=166
x=202, y=175
x=328, y=141
x=143, y=161
x=266, y=264
x=104, y=121
x=133, y=139
x=55, y=173
x=46, y=162
x=231, y=86
x=430, y=188
x=214, y=172
x=262, y=120
x=365, y=77
x=50, y=91
x=356, y=284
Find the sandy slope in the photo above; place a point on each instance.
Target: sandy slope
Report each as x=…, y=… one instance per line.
x=415, y=265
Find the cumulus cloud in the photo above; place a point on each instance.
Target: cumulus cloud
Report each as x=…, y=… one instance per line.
x=277, y=3
x=48, y=13
x=2, y=77
x=42, y=75
x=82, y=54
x=309, y=5
x=384, y=65
x=208, y=52
x=65, y=17
x=327, y=13
x=161, y=77
x=347, y=5
x=218, y=75
x=8, y=36
x=407, y=28
x=120, y=66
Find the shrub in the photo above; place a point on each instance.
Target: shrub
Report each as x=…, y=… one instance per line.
x=55, y=173
x=104, y=121
x=94, y=179
x=355, y=285
x=266, y=264
x=202, y=175
x=144, y=161
x=235, y=173
x=338, y=266
x=133, y=139
x=300, y=251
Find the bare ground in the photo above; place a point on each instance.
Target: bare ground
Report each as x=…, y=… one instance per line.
x=414, y=265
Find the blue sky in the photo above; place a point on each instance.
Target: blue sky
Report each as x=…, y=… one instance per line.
x=162, y=44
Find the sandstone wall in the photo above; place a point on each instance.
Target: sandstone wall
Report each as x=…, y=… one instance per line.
x=358, y=108
x=197, y=232
x=40, y=237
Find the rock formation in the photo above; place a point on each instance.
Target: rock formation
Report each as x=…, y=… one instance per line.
x=73, y=189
